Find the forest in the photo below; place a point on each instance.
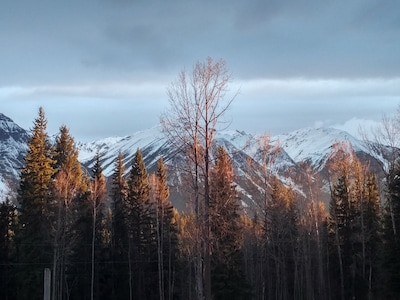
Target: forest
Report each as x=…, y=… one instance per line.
x=122, y=238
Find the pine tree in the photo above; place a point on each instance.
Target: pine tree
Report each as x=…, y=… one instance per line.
x=339, y=229
x=97, y=198
x=86, y=273
x=34, y=196
x=187, y=232
x=69, y=184
x=372, y=218
x=347, y=224
x=141, y=242
x=228, y=276
x=281, y=220
x=79, y=273
x=119, y=231
x=166, y=228
x=8, y=224
x=253, y=254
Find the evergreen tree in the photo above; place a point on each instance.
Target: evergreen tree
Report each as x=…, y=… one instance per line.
x=340, y=232
x=372, y=237
x=69, y=185
x=166, y=228
x=119, y=232
x=97, y=198
x=34, y=196
x=79, y=273
x=187, y=233
x=87, y=272
x=253, y=254
x=281, y=234
x=352, y=218
x=141, y=242
x=8, y=223
x=228, y=276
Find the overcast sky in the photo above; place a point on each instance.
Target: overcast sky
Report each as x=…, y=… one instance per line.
x=102, y=67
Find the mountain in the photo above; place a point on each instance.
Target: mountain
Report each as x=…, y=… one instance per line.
x=13, y=146
x=286, y=153
x=314, y=145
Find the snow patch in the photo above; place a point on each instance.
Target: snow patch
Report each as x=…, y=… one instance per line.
x=3, y=190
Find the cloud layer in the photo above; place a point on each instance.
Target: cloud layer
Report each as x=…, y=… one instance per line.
x=303, y=61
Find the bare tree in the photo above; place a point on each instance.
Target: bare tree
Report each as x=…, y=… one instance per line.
x=312, y=218
x=197, y=104
x=384, y=141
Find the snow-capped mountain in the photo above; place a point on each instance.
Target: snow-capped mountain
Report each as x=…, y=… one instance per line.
x=314, y=145
x=151, y=142
x=284, y=153
x=13, y=146
x=280, y=154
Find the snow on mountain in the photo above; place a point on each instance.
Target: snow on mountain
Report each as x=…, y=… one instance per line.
x=314, y=145
x=13, y=146
x=13, y=141
x=148, y=141
x=3, y=189
x=281, y=154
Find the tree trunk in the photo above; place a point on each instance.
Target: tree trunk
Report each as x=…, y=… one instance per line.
x=130, y=269
x=207, y=258
x=93, y=249
x=340, y=261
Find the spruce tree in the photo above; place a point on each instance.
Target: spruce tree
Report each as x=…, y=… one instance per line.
x=187, y=229
x=281, y=235
x=141, y=242
x=87, y=271
x=166, y=232
x=97, y=198
x=119, y=232
x=340, y=232
x=34, y=197
x=347, y=225
x=372, y=229
x=79, y=273
x=8, y=224
x=228, y=276
x=69, y=185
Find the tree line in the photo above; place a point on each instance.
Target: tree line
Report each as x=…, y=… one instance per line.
x=121, y=237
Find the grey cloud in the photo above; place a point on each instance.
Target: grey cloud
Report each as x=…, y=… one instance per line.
x=103, y=39
x=63, y=54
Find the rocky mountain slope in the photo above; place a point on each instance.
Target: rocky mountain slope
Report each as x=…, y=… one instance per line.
x=285, y=154
x=13, y=146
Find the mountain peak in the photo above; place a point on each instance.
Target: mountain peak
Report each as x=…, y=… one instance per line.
x=3, y=117
x=315, y=144
x=7, y=124
x=11, y=131
x=13, y=146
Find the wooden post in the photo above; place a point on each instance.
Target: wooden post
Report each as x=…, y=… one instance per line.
x=47, y=284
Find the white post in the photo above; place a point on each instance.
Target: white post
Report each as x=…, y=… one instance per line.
x=47, y=284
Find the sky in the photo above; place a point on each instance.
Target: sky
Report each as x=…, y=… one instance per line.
x=102, y=67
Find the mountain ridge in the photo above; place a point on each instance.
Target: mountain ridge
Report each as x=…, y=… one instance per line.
x=311, y=145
